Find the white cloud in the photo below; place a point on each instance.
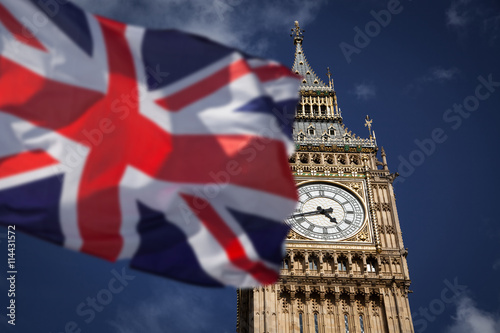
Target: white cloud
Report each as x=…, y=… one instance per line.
x=232, y=22
x=439, y=74
x=464, y=15
x=435, y=74
x=457, y=15
x=491, y=27
x=471, y=319
x=456, y=19
x=364, y=91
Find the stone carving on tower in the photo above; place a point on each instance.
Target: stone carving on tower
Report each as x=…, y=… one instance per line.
x=345, y=268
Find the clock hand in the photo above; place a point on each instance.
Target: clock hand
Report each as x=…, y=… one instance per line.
x=307, y=213
x=332, y=219
x=319, y=210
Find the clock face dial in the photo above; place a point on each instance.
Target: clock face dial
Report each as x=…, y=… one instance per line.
x=326, y=212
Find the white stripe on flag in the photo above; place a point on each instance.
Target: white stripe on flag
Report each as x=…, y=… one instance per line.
x=165, y=197
x=64, y=62
x=72, y=157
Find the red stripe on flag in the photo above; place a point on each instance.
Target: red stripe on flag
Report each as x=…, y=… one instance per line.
x=229, y=241
x=20, y=32
x=99, y=213
x=205, y=87
x=273, y=72
x=23, y=162
x=254, y=162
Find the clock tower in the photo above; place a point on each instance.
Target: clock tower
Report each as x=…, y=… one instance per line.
x=345, y=268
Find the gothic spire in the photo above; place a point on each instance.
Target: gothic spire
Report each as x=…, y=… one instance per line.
x=318, y=120
x=310, y=81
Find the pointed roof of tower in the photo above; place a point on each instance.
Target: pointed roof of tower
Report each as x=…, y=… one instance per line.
x=318, y=120
x=301, y=67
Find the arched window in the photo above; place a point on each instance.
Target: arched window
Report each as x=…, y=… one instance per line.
x=346, y=321
x=370, y=266
x=313, y=265
x=285, y=265
x=315, y=109
x=342, y=265
x=331, y=131
x=300, y=323
x=323, y=109
x=316, y=326
x=310, y=130
x=361, y=324
x=357, y=264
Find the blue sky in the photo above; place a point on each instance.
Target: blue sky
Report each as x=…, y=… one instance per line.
x=422, y=76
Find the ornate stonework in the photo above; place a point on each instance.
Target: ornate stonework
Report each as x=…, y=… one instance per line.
x=356, y=187
x=358, y=284
x=293, y=235
x=362, y=236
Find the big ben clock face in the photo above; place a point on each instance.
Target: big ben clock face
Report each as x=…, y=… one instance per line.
x=327, y=212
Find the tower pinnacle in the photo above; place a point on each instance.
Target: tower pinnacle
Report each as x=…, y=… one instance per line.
x=310, y=81
x=330, y=80
x=368, y=123
x=297, y=33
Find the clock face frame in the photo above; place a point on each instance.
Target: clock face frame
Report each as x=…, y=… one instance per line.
x=339, y=203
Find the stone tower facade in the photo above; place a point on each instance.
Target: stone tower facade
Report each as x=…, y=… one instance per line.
x=345, y=269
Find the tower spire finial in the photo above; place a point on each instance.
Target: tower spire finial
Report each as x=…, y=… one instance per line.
x=297, y=33
x=329, y=74
x=368, y=123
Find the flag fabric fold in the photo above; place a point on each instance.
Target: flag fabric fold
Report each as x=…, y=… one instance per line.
x=156, y=146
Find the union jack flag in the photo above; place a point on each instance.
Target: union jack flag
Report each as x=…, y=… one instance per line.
x=156, y=146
